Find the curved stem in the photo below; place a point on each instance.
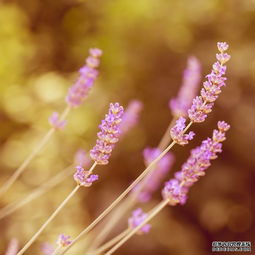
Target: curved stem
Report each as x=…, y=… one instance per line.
x=31, y=156
x=53, y=215
x=46, y=186
x=120, y=198
x=154, y=212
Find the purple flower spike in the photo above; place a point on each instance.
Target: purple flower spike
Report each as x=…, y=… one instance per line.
x=138, y=216
x=108, y=136
x=202, y=105
x=131, y=116
x=55, y=122
x=154, y=179
x=199, y=160
x=64, y=240
x=88, y=74
x=177, y=135
x=84, y=178
x=191, y=78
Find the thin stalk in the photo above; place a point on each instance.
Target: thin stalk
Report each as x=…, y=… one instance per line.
x=46, y=186
x=120, y=198
x=155, y=211
x=56, y=251
x=132, y=198
x=111, y=242
x=53, y=215
x=7, y=185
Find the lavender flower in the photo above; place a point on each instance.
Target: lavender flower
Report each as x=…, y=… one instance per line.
x=47, y=249
x=176, y=189
x=88, y=74
x=80, y=158
x=131, y=116
x=191, y=78
x=63, y=240
x=108, y=136
x=84, y=178
x=202, y=105
x=177, y=132
x=138, y=216
x=55, y=122
x=153, y=180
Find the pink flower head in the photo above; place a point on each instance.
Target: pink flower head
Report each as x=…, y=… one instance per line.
x=88, y=74
x=177, y=134
x=138, y=216
x=202, y=105
x=81, y=159
x=64, y=240
x=191, y=79
x=84, y=178
x=199, y=160
x=108, y=135
x=153, y=180
x=55, y=122
x=131, y=116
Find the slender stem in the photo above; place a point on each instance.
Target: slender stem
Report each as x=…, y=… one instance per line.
x=111, y=242
x=53, y=215
x=31, y=156
x=132, y=198
x=46, y=186
x=56, y=251
x=120, y=198
x=155, y=211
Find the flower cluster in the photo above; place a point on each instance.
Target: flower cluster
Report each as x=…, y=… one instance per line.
x=84, y=178
x=191, y=78
x=55, y=121
x=88, y=74
x=153, y=180
x=138, y=216
x=108, y=136
x=63, y=240
x=202, y=105
x=176, y=189
x=81, y=158
x=131, y=116
x=177, y=132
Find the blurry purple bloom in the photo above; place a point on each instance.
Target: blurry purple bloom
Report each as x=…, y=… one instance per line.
x=88, y=74
x=199, y=160
x=13, y=247
x=63, y=240
x=153, y=180
x=131, y=116
x=55, y=122
x=191, y=78
x=81, y=159
x=47, y=249
x=108, y=135
x=138, y=216
x=202, y=105
x=177, y=134
x=84, y=178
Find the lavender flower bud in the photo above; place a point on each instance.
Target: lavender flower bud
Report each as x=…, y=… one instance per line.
x=108, y=136
x=203, y=104
x=138, y=216
x=153, y=180
x=84, y=178
x=191, y=78
x=63, y=240
x=55, y=122
x=199, y=160
x=88, y=74
x=177, y=134
x=131, y=116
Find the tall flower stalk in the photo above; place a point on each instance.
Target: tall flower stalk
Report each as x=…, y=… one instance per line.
x=107, y=138
x=76, y=95
x=197, y=113
x=175, y=191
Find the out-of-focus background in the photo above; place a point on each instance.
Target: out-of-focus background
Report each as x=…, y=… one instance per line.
x=146, y=44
